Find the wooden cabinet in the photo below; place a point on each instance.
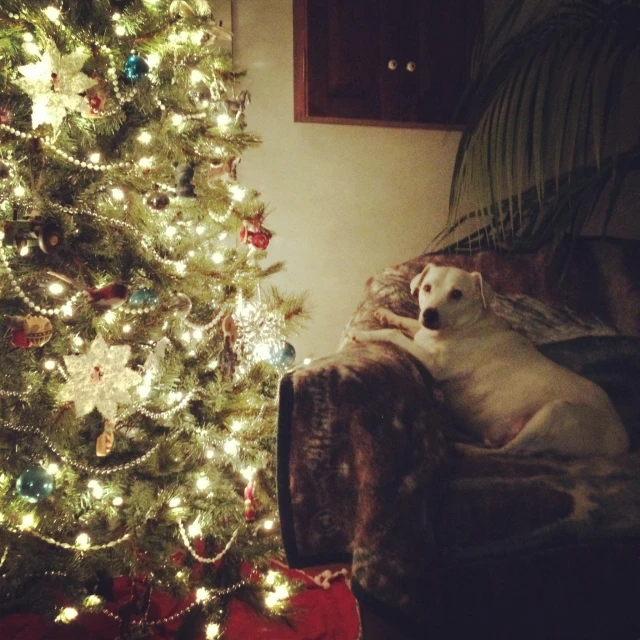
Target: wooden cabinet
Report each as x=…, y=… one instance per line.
x=384, y=62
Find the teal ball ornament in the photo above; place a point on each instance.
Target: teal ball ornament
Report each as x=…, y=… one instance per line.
x=135, y=68
x=144, y=297
x=35, y=484
x=284, y=355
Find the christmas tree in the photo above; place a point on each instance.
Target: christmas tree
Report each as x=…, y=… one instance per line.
x=141, y=351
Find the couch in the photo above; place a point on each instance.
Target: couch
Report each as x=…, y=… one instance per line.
x=443, y=545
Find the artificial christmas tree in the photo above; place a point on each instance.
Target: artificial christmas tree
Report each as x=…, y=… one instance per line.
x=140, y=352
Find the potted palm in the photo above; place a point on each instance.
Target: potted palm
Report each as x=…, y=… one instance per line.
x=553, y=124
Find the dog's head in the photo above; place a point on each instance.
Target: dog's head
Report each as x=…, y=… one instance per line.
x=450, y=298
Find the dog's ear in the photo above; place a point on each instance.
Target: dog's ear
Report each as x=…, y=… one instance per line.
x=417, y=280
x=486, y=292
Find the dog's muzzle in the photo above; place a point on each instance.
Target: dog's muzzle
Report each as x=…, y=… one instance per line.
x=431, y=318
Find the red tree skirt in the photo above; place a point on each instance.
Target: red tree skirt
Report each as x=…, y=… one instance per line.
x=325, y=610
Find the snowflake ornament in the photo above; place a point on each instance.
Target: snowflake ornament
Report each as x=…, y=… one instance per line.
x=54, y=84
x=100, y=379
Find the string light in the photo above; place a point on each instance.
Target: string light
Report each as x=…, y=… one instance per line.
x=194, y=529
x=56, y=288
x=145, y=137
x=83, y=541
x=117, y=194
x=224, y=120
x=217, y=258
x=202, y=483
x=237, y=193
x=53, y=468
x=50, y=365
x=95, y=157
x=248, y=473
x=52, y=13
x=96, y=489
x=67, y=615
x=145, y=162
x=212, y=631
x=231, y=447
x=19, y=191
x=28, y=521
x=202, y=594
x=120, y=30
x=117, y=501
x=268, y=525
x=174, y=503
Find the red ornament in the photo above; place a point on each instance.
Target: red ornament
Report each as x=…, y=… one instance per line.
x=254, y=233
x=19, y=339
x=260, y=240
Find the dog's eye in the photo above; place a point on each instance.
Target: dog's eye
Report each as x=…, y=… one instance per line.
x=455, y=294
x=427, y=288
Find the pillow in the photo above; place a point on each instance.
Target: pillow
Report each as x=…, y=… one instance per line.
x=542, y=322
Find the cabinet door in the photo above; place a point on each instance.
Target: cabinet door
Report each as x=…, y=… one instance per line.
x=395, y=62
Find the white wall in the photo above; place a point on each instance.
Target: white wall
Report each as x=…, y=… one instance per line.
x=346, y=201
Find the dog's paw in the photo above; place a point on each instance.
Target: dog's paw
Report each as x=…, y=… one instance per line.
x=384, y=316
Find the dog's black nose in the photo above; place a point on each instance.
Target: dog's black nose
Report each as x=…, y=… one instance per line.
x=431, y=318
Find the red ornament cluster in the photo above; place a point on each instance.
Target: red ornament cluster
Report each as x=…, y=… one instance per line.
x=254, y=233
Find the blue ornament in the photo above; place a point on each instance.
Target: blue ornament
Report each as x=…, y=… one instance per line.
x=283, y=355
x=135, y=68
x=35, y=484
x=143, y=297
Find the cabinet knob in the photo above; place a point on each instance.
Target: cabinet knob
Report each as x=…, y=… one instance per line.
x=392, y=64
x=411, y=66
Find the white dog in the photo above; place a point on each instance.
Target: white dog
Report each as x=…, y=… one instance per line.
x=499, y=386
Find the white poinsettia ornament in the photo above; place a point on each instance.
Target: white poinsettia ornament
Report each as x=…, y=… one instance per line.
x=100, y=379
x=54, y=84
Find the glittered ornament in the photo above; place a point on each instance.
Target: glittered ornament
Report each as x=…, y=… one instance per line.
x=135, y=68
x=30, y=331
x=144, y=297
x=158, y=201
x=35, y=484
x=283, y=355
x=200, y=95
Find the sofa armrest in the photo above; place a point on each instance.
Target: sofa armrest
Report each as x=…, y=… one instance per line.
x=362, y=457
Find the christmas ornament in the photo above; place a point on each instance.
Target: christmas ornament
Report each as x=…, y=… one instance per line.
x=6, y=117
x=200, y=95
x=110, y=296
x=35, y=484
x=254, y=233
x=143, y=297
x=135, y=68
x=54, y=84
x=235, y=108
x=99, y=379
x=282, y=355
x=46, y=234
x=105, y=441
x=30, y=331
x=222, y=170
x=158, y=201
x=250, y=505
x=228, y=359
x=214, y=31
x=183, y=174
x=96, y=96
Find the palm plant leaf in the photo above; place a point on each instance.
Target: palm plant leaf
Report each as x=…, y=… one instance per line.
x=541, y=106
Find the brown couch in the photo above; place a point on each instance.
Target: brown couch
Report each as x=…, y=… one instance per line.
x=445, y=546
